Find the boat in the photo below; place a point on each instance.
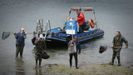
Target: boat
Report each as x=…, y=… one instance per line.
x=57, y=35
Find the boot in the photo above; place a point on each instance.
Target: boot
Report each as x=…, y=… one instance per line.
x=113, y=58
x=70, y=61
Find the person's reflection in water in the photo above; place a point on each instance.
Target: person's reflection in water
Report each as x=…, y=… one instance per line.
x=38, y=71
x=20, y=66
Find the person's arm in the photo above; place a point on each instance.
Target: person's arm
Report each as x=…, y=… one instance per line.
x=69, y=43
x=36, y=41
x=16, y=35
x=113, y=42
x=25, y=35
x=125, y=41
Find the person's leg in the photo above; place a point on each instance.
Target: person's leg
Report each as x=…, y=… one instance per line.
x=76, y=60
x=70, y=59
x=40, y=61
x=78, y=48
x=118, y=57
x=36, y=59
x=21, y=50
x=119, y=63
x=17, y=50
x=113, y=57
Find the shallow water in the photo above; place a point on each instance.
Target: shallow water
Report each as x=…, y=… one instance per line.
x=111, y=16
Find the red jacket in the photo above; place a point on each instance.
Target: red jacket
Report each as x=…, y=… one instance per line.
x=80, y=19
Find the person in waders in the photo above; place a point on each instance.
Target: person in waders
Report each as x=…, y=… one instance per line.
x=20, y=42
x=118, y=41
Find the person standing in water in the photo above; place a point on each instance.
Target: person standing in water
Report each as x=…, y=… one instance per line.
x=39, y=49
x=20, y=42
x=118, y=41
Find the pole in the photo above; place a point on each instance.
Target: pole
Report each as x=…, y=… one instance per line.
x=49, y=25
x=95, y=18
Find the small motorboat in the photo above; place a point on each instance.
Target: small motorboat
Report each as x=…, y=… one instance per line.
x=57, y=34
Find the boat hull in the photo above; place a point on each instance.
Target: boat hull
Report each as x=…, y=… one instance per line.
x=60, y=37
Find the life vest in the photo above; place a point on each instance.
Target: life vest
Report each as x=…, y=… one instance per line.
x=80, y=19
x=91, y=23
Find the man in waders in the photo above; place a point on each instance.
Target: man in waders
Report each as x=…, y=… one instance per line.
x=20, y=42
x=117, y=45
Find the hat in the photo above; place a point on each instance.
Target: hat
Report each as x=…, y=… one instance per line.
x=41, y=36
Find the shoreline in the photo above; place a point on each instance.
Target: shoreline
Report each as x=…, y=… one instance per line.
x=93, y=69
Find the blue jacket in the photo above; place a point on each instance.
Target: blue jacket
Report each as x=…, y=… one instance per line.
x=71, y=25
x=20, y=38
